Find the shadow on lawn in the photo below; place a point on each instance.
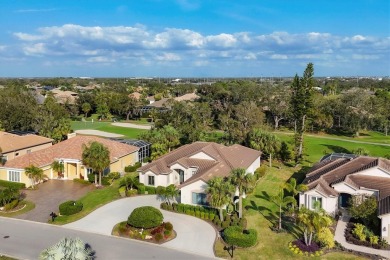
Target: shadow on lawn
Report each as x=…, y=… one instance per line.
x=336, y=148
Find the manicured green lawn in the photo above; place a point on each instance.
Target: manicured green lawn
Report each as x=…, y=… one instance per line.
x=261, y=214
x=29, y=206
x=131, y=133
x=316, y=147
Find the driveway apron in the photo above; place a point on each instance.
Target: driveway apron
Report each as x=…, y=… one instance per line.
x=50, y=195
x=193, y=234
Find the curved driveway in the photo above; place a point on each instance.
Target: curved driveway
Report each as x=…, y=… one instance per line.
x=193, y=234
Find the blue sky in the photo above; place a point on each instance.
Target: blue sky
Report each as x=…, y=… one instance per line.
x=194, y=38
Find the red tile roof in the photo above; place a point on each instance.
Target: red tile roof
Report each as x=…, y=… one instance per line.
x=11, y=142
x=69, y=149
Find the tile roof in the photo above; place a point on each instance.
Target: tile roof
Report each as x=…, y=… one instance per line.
x=69, y=149
x=225, y=158
x=337, y=170
x=11, y=142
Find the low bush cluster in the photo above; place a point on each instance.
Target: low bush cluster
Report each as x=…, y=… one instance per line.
x=8, y=196
x=70, y=207
x=260, y=172
x=299, y=247
x=206, y=213
x=11, y=205
x=145, y=217
x=133, y=168
x=237, y=236
x=159, y=233
x=359, y=234
x=12, y=185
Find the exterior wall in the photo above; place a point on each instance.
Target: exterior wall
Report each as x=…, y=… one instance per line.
x=175, y=179
x=202, y=155
x=70, y=171
x=254, y=166
x=186, y=192
x=329, y=204
x=159, y=180
x=124, y=161
x=12, y=155
x=385, y=226
x=374, y=172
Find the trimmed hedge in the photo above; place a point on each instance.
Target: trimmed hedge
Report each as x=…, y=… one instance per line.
x=12, y=185
x=236, y=236
x=81, y=181
x=11, y=205
x=133, y=168
x=145, y=217
x=70, y=207
x=150, y=189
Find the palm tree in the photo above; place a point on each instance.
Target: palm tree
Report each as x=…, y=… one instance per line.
x=58, y=167
x=171, y=192
x=219, y=193
x=171, y=136
x=295, y=189
x=97, y=157
x=312, y=221
x=34, y=174
x=68, y=248
x=129, y=181
x=281, y=201
x=265, y=142
x=243, y=183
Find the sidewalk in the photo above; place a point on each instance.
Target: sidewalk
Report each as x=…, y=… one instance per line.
x=339, y=237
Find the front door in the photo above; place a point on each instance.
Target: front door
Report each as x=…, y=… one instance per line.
x=343, y=200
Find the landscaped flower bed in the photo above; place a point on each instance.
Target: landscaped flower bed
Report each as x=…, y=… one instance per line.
x=159, y=234
x=145, y=223
x=299, y=247
x=364, y=238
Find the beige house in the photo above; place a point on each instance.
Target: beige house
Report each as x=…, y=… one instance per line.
x=335, y=179
x=69, y=153
x=13, y=146
x=191, y=166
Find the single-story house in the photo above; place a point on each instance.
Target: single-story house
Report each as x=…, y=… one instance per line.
x=68, y=152
x=191, y=166
x=14, y=145
x=335, y=179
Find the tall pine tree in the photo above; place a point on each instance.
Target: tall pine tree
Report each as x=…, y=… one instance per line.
x=301, y=102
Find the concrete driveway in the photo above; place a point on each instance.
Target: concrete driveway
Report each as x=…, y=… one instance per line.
x=50, y=195
x=193, y=234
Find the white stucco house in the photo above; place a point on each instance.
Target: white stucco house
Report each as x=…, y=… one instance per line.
x=337, y=177
x=191, y=166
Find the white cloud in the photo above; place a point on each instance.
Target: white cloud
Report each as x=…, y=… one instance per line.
x=119, y=44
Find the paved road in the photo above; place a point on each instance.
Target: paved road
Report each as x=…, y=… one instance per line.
x=25, y=240
x=339, y=237
x=193, y=234
x=130, y=125
x=50, y=195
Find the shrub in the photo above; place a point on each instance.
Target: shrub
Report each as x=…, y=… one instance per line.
x=158, y=237
x=235, y=235
x=70, y=207
x=133, y=168
x=212, y=216
x=157, y=230
x=150, y=189
x=145, y=217
x=170, y=207
x=164, y=205
x=225, y=224
x=325, y=237
x=168, y=226
x=188, y=212
x=132, y=192
x=167, y=233
x=197, y=213
x=12, y=185
x=260, y=172
x=122, y=191
x=141, y=188
x=374, y=239
x=359, y=232
x=106, y=181
x=11, y=205
x=91, y=177
x=174, y=206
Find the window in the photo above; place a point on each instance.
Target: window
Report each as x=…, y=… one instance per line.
x=199, y=198
x=181, y=175
x=151, y=180
x=89, y=171
x=316, y=201
x=14, y=176
x=3, y=159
